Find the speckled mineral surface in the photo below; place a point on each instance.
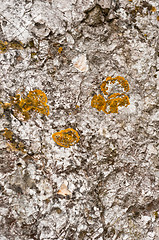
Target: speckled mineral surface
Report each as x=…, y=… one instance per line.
x=104, y=187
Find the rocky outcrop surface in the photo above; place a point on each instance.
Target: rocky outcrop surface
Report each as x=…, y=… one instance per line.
x=101, y=182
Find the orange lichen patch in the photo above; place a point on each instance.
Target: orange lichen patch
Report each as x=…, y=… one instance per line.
x=16, y=147
x=104, y=88
x=11, y=147
x=121, y=80
x=38, y=96
x=153, y=9
x=36, y=100
x=60, y=49
x=98, y=102
x=19, y=111
x=157, y=18
x=8, y=134
x=66, y=138
x=12, y=144
x=116, y=100
x=5, y=46
x=16, y=45
x=5, y=105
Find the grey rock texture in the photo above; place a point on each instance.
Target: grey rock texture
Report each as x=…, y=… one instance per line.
x=113, y=172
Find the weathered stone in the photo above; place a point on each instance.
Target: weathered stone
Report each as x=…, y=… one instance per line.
x=112, y=171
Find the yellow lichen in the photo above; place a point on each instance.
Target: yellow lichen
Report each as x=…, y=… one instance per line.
x=19, y=111
x=66, y=138
x=16, y=45
x=121, y=80
x=153, y=9
x=16, y=146
x=5, y=105
x=156, y=215
x=8, y=134
x=104, y=88
x=98, y=102
x=12, y=144
x=116, y=100
x=60, y=49
x=36, y=100
x=33, y=54
x=5, y=46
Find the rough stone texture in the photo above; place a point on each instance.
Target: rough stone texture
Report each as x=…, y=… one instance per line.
x=113, y=171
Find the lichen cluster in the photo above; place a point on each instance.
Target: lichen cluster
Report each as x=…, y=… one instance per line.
x=66, y=138
x=116, y=100
x=113, y=101
x=5, y=105
x=35, y=101
x=121, y=80
x=13, y=143
x=22, y=107
x=60, y=50
x=5, y=46
x=98, y=102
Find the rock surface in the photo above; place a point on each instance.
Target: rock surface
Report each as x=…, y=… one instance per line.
x=110, y=177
